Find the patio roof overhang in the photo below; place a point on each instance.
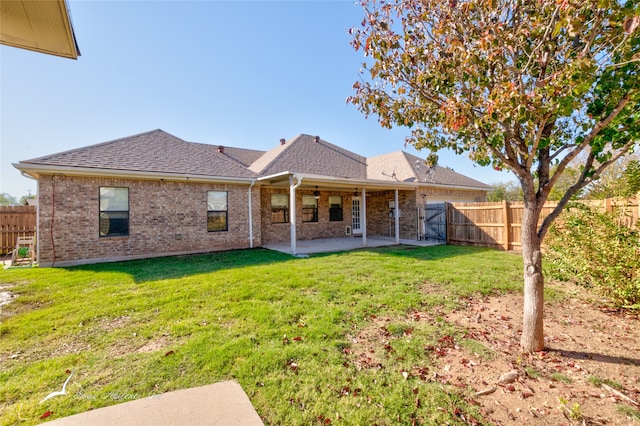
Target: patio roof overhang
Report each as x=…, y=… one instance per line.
x=40, y=25
x=331, y=183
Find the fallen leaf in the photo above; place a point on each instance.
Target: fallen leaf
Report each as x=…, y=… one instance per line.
x=46, y=414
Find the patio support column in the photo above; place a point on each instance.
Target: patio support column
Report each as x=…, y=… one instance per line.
x=292, y=209
x=396, y=215
x=363, y=215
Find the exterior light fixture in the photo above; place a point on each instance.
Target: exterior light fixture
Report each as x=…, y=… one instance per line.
x=316, y=194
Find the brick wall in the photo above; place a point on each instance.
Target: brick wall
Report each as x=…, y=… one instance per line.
x=377, y=216
x=165, y=218
x=324, y=228
x=378, y=220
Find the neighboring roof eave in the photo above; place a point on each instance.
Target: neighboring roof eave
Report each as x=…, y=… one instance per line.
x=40, y=26
x=35, y=170
x=445, y=186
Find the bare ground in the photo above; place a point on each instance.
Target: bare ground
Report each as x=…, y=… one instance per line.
x=589, y=373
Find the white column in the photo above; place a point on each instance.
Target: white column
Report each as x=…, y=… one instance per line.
x=292, y=212
x=397, y=215
x=363, y=215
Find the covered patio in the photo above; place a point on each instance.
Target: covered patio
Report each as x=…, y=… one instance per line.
x=329, y=245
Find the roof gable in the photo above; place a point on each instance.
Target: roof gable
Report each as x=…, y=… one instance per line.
x=154, y=151
x=312, y=155
x=403, y=167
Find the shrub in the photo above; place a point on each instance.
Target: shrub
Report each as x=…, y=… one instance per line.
x=587, y=246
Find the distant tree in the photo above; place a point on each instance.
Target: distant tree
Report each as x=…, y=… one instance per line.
x=632, y=174
x=505, y=191
x=516, y=84
x=564, y=183
x=7, y=199
x=614, y=182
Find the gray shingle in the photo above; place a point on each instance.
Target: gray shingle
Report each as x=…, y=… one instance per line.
x=154, y=151
x=304, y=155
x=403, y=167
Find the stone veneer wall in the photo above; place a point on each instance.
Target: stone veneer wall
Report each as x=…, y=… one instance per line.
x=165, y=218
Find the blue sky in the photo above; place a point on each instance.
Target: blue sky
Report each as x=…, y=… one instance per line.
x=234, y=73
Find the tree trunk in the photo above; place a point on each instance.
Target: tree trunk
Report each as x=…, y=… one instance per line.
x=532, y=325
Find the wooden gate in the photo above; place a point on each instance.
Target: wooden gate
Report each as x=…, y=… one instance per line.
x=435, y=222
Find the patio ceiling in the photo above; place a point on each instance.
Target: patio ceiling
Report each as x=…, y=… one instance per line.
x=40, y=25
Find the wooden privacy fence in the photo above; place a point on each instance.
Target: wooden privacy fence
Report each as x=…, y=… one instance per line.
x=15, y=221
x=498, y=225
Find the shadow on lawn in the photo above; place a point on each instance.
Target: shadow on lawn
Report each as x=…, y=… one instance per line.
x=181, y=266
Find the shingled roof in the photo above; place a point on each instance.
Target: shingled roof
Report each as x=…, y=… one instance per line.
x=312, y=155
x=155, y=151
x=160, y=152
x=403, y=167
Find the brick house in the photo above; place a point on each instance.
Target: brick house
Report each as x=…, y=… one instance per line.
x=153, y=194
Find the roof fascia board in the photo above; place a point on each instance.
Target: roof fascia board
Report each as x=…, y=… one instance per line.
x=36, y=169
x=347, y=182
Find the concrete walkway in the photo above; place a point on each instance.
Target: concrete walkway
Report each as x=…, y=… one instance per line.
x=223, y=404
x=328, y=245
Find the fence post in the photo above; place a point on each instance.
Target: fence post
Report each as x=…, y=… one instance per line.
x=608, y=207
x=507, y=224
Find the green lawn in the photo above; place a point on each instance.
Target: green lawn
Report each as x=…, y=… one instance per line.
x=285, y=328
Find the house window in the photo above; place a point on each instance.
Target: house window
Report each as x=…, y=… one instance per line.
x=279, y=208
x=217, y=211
x=335, y=208
x=309, y=208
x=114, y=212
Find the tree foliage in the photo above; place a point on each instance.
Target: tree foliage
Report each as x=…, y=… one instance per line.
x=505, y=191
x=7, y=199
x=531, y=86
x=591, y=248
x=517, y=84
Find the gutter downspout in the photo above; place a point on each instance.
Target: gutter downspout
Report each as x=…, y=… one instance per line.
x=253, y=182
x=397, y=215
x=292, y=204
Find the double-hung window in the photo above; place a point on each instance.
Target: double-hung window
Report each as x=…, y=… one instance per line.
x=335, y=208
x=114, y=212
x=279, y=208
x=217, y=211
x=309, y=208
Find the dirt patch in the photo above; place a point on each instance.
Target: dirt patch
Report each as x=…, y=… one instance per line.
x=108, y=324
x=129, y=346
x=589, y=374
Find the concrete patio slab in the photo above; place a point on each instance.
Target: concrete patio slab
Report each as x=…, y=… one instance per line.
x=223, y=403
x=329, y=245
